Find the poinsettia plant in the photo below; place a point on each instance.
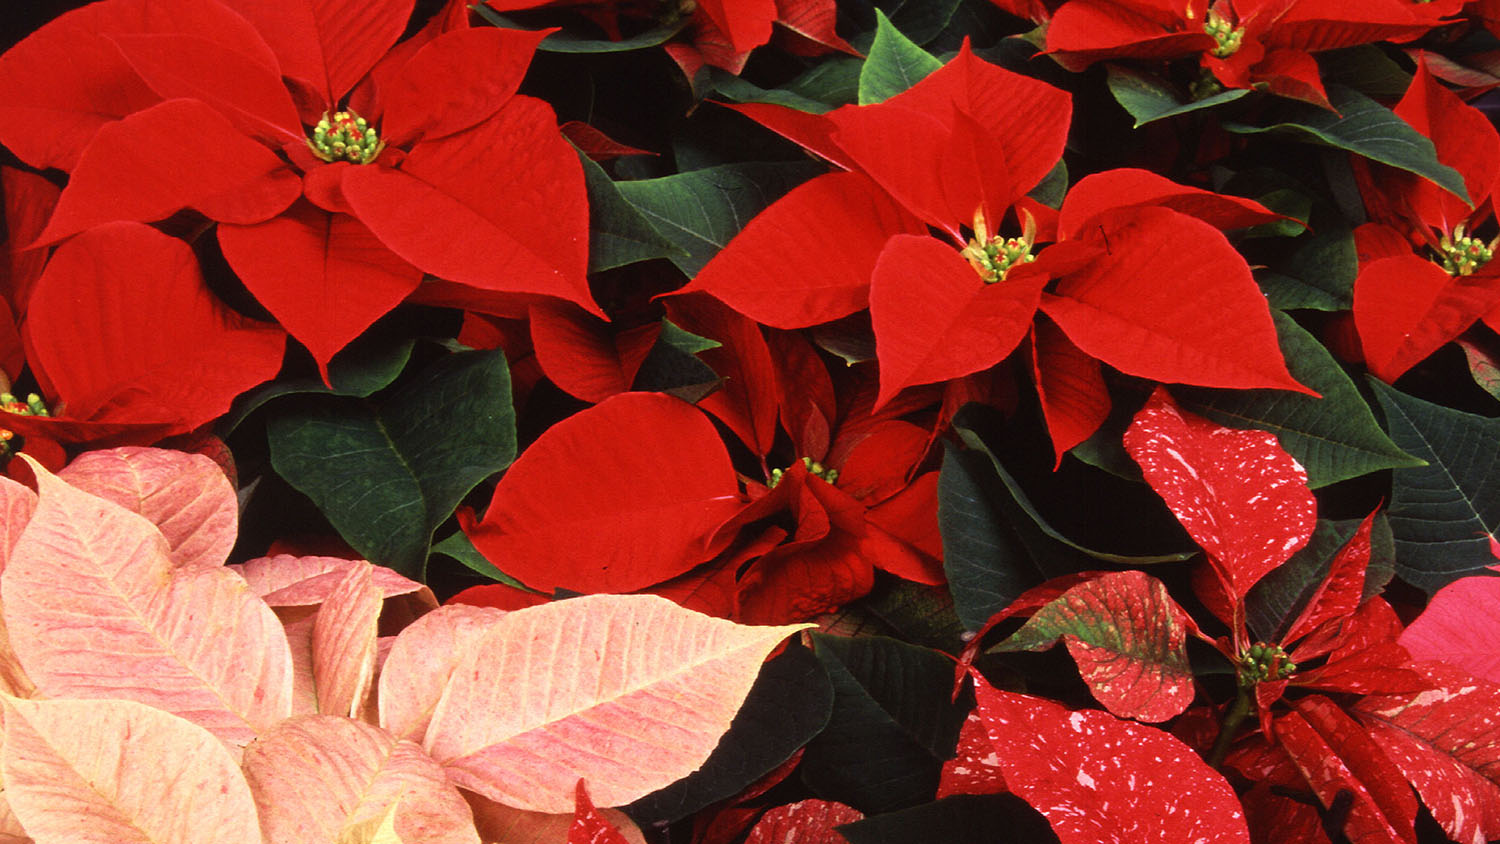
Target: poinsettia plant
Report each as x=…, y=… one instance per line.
x=712, y=422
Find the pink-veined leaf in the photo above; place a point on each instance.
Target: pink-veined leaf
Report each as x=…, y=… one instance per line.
x=1460, y=626
x=1099, y=779
x=316, y=776
x=288, y=581
x=1238, y=493
x=120, y=772
x=1446, y=741
x=95, y=608
x=1337, y=756
x=422, y=659
x=17, y=503
x=1129, y=640
x=343, y=643
x=629, y=692
x=500, y=823
x=185, y=495
x=803, y=822
x=659, y=483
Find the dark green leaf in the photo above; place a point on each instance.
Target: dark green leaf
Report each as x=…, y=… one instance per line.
x=1053, y=186
x=619, y=233
x=1275, y=601
x=1335, y=438
x=788, y=705
x=972, y=440
x=363, y=368
x=1149, y=97
x=683, y=340
x=895, y=63
x=921, y=20
x=458, y=547
x=959, y=819
x=566, y=42
x=1444, y=514
x=917, y=613
x=387, y=474
x=700, y=211
x=1364, y=127
x=1365, y=68
x=1318, y=275
x=742, y=91
x=986, y=563
x=893, y=723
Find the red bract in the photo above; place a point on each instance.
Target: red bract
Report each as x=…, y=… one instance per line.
x=1406, y=306
x=1138, y=275
x=129, y=344
x=1094, y=777
x=1243, y=43
x=434, y=165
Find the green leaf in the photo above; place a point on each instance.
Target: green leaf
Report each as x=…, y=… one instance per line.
x=826, y=86
x=1275, y=601
x=361, y=369
x=1318, y=275
x=1335, y=438
x=1365, y=68
x=957, y=819
x=788, y=705
x=1053, y=186
x=921, y=20
x=1364, y=127
x=1018, y=495
x=1443, y=515
x=701, y=210
x=892, y=726
x=387, y=474
x=458, y=547
x=1482, y=367
x=683, y=340
x=917, y=613
x=986, y=563
x=619, y=233
x=566, y=42
x=894, y=64
x=1148, y=97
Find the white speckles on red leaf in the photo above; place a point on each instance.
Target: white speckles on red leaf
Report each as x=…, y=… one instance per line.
x=804, y=822
x=1098, y=779
x=1238, y=493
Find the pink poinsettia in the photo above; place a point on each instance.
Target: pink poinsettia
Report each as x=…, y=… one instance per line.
x=339, y=169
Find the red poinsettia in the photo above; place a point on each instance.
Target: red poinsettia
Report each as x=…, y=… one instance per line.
x=1407, y=305
x=339, y=170
x=717, y=33
x=1137, y=275
x=1243, y=43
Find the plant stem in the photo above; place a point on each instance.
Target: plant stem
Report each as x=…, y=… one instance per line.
x=1232, y=721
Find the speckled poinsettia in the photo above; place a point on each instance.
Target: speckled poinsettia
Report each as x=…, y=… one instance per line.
x=339, y=170
x=1407, y=305
x=1264, y=44
x=1133, y=270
